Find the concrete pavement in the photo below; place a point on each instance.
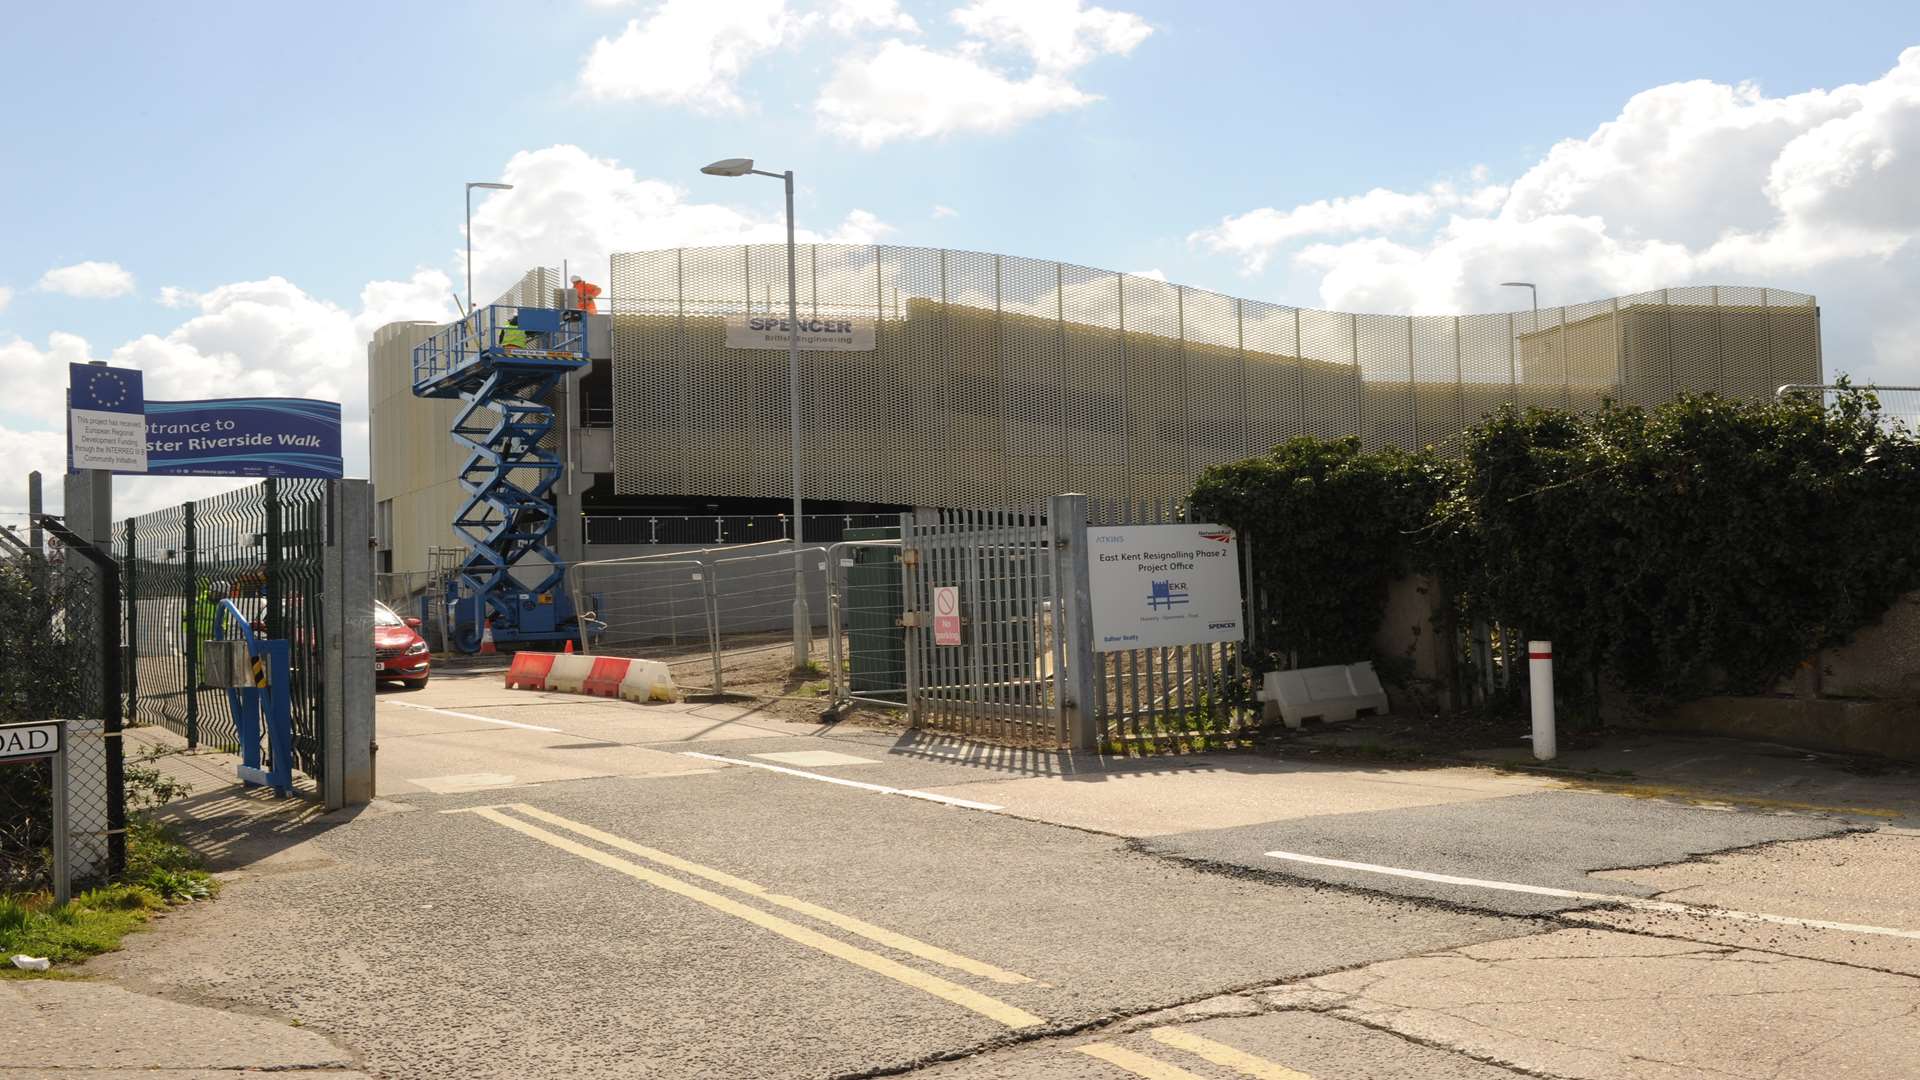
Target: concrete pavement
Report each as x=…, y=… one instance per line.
x=558, y=886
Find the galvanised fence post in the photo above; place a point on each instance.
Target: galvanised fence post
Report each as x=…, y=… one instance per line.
x=132, y=651
x=190, y=631
x=276, y=553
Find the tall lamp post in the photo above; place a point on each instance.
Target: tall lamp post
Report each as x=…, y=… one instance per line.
x=1530, y=287
x=802, y=620
x=489, y=186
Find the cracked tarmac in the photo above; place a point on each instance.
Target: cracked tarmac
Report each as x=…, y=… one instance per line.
x=621, y=914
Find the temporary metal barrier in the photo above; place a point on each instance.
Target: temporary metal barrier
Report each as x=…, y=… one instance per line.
x=999, y=381
x=1898, y=404
x=695, y=610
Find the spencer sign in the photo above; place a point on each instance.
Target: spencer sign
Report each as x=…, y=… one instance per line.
x=830, y=334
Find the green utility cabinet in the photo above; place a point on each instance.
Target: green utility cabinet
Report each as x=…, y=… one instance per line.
x=876, y=642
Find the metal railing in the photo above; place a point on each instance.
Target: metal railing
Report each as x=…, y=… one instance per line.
x=723, y=528
x=460, y=343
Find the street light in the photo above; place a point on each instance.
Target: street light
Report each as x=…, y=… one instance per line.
x=1529, y=286
x=471, y=184
x=802, y=620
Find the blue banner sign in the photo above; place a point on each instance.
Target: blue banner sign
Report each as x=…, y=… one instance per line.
x=244, y=437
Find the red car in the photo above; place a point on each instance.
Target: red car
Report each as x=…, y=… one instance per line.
x=399, y=652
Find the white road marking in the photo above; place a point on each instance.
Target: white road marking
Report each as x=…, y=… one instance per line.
x=817, y=759
x=1667, y=907
x=475, y=716
x=461, y=782
x=966, y=804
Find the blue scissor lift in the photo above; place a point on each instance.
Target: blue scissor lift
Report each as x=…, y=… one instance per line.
x=501, y=361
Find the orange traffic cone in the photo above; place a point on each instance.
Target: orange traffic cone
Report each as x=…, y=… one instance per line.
x=486, y=638
x=569, y=649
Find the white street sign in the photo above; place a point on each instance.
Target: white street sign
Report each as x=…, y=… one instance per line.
x=1161, y=585
x=829, y=333
x=29, y=740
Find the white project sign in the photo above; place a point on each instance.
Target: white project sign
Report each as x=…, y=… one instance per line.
x=1161, y=585
x=820, y=333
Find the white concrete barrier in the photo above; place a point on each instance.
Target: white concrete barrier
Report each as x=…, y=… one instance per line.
x=1338, y=692
x=647, y=680
x=570, y=670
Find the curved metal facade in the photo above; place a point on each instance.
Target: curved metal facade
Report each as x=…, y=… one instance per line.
x=998, y=379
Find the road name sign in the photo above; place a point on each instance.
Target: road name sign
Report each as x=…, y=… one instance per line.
x=33, y=740
x=1159, y=585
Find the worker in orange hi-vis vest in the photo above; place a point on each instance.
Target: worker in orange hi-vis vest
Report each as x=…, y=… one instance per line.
x=583, y=295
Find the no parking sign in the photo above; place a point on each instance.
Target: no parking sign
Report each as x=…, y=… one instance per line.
x=946, y=615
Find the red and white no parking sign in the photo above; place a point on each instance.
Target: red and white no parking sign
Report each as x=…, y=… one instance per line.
x=946, y=615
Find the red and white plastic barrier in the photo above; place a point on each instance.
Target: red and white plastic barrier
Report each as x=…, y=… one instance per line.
x=603, y=676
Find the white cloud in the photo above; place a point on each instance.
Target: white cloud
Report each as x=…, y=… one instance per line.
x=568, y=204
x=689, y=52
x=88, y=280
x=852, y=16
x=940, y=211
x=1257, y=234
x=1059, y=35
x=906, y=91
x=6, y=297
x=1693, y=183
x=1155, y=274
x=909, y=91
x=266, y=338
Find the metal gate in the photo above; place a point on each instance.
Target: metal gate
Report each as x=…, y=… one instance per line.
x=991, y=665
x=996, y=630
x=264, y=547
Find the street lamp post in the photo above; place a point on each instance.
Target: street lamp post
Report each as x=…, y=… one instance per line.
x=802, y=619
x=471, y=184
x=1529, y=286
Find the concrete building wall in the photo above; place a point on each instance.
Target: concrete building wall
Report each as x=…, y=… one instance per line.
x=415, y=462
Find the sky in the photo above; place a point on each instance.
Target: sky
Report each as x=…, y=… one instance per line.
x=233, y=196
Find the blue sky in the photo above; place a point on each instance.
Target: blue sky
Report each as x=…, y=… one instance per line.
x=266, y=162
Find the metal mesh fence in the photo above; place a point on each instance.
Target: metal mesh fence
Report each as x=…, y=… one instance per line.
x=715, y=529
x=998, y=380
x=262, y=547
x=57, y=633
x=50, y=670
x=1899, y=405
x=704, y=612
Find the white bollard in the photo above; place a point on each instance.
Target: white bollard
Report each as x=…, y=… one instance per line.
x=1540, y=681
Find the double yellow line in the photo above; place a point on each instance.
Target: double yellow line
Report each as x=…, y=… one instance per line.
x=523, y=818
x=947, y=990
x=1219, y=1053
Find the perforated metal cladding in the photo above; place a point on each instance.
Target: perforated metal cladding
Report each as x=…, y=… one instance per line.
x=997, y=380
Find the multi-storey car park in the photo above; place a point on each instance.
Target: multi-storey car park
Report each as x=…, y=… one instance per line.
x=995, y=380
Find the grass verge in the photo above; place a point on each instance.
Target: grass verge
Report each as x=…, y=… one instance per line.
x=161, y=873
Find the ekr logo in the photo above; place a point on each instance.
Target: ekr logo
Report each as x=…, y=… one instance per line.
x=1166, y=594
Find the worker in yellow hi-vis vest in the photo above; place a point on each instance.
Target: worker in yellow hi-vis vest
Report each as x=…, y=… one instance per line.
x=201, y=617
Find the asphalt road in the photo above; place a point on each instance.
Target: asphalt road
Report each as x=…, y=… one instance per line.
x=558, y=888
